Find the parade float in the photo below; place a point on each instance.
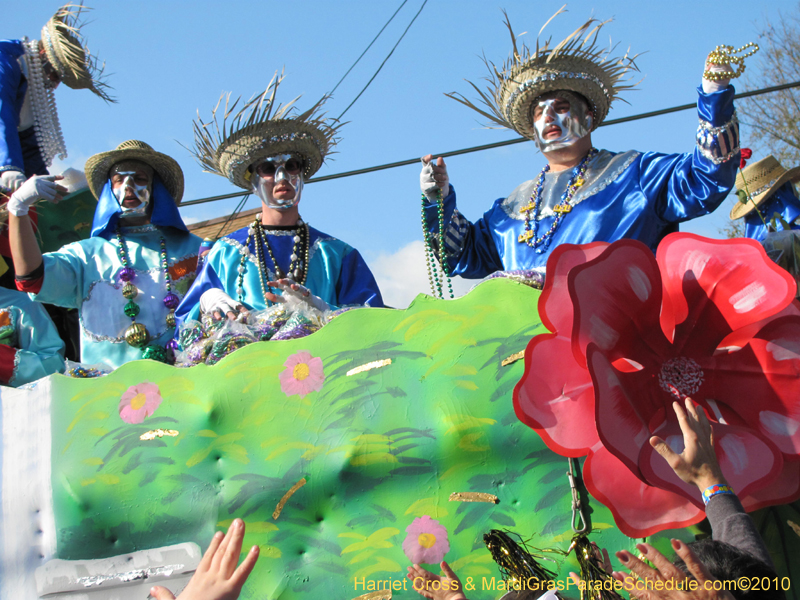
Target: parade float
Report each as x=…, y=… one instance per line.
x=395, y=436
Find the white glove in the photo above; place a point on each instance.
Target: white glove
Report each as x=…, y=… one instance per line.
x=434, y=175
x=218, y=303
x=709, y=86
x=11, y=180
x=294, y=293
x=37, y=187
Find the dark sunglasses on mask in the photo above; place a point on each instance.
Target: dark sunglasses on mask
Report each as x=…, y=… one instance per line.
x=293, y=166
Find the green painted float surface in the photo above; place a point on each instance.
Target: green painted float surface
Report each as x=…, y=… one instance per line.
x=377, y=449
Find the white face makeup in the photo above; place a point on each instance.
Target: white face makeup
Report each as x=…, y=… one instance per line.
x=132, y=186
x=278, y=181
x=560, y=120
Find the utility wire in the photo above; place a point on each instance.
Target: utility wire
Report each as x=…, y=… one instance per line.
x=368, y=47
x=339, y=118
x=411, y=161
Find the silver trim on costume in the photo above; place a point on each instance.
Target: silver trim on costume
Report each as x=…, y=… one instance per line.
x=43, y=102
x=719, y=144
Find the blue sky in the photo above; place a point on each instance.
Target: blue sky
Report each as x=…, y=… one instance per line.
x=169, y=59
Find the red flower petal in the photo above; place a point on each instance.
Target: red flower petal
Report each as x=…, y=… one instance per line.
x=748, y=461
x=785, y=489
x=617, y=299
x=639, y=510
x=623, y=416
x=767, y=369
x=746, y=153
x=555, y=397
x=713, y=287
x=555, y=306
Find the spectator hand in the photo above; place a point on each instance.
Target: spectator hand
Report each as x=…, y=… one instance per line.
x=433, y=176
x=11, y=180
x=217, y=577
x=435, y=587
x=294, y=292
x=643, y=580
x=37, y=187
x=697, y=464
x=221, y=305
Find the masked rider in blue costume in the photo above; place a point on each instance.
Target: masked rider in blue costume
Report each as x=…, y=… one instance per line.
x=270, y=152
x=582, y=195
x=127, y=279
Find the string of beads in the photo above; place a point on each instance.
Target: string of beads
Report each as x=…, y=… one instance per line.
x=438, y=269
x=726, y=55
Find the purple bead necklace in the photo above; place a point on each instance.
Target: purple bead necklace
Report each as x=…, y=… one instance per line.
x=137, y=335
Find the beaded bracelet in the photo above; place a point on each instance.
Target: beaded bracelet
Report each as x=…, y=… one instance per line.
x=715, y=490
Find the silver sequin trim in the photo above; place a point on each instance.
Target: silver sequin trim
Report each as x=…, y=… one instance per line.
x=526, y=85
x=265, y=142
x=136, y=575
x=763, y=188
x=719, y=144
x=602, y=172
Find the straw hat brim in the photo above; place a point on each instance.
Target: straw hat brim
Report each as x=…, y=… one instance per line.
x=536, y=78
x=254, y=143
x=740, y=210
x=168, y=169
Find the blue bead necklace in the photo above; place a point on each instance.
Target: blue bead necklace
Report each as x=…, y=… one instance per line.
x=530, y=236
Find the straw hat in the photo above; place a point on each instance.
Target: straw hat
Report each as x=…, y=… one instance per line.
x=760, y=180
x=259, y=130
x=575, y=64
x=64, y=46
x=98, y=166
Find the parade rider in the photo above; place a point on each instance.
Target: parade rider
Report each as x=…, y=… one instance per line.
x=557, y=96
x=271, y=150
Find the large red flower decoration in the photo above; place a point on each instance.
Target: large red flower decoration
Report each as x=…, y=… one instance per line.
x=631, y=333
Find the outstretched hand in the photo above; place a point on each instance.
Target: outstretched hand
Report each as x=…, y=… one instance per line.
x=697, y=464
x=217, y=576
x=436, y=587
x=647, y=583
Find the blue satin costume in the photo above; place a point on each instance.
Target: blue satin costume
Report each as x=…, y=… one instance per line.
x=19, y=150
x=336, y=272
x=85, y=275
x=33, y=349
x=784, y=202
x=639, y=195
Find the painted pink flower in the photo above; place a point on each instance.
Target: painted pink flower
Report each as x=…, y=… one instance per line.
x=710, y=319
x=426, y=542
x=303, y=374
x=139, y=402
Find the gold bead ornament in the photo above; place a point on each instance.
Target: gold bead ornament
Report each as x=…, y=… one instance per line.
x=726, y=55
x=136, y=335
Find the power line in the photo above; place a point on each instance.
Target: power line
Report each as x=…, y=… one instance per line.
x=339, y=118
x=411, y=161
x=368, y=47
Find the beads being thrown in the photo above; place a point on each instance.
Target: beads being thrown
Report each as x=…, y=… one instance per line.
x=431, y=257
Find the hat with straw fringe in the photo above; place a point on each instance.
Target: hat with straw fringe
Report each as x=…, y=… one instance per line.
x=260, y=129
x=576, y=64
x=758, y=181
x=66, y=52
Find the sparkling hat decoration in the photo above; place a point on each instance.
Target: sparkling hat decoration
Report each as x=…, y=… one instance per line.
x=575, y=64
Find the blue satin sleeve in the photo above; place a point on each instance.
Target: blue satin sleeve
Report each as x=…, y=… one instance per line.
x=10, y=104
x=356, y=284
x=470, y=248
x=40, y=350
x=685, y=186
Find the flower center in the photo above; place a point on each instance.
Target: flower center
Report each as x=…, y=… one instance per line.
x=426, y=540
x=680, y=377
x=300, y=371
x=138, y=401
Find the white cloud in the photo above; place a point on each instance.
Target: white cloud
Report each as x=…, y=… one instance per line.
x=402, y=275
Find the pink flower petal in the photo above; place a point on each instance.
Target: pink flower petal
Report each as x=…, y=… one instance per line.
x=785, y=489
x=426, y=541
x=555, y=396
x=639, y=510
